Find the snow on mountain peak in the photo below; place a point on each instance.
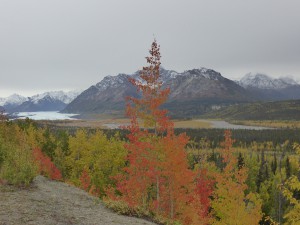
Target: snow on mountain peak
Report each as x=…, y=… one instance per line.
x=65, y=97
x=13, y=99
x=16, y=99
x=205, y=73
x=111, y=81
x=115, y=81
x=165, y=76
x=263, y=81
x=289, y=80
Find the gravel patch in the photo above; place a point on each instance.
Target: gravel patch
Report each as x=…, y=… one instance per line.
x=49, y=202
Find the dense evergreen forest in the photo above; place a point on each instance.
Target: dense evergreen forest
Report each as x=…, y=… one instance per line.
x=242, y=137
x=183, y=176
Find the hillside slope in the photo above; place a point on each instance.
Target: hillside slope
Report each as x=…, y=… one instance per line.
x=50, y=202
x=279, y=110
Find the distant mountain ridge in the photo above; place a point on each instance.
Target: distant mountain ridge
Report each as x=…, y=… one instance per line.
x=263, y=81
x=195, y=90
x=12, y=101
x=263, y=87
x=204, y=84
x=48, y=101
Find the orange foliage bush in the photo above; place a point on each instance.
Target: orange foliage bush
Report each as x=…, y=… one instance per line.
x=46, y=166
x=85, y=180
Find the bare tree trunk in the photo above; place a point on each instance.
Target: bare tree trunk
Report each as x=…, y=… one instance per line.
x=157, y=194
x=279, y=195
x=172, y=207
x=171, y=202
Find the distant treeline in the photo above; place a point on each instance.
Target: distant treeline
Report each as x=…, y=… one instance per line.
x=245, y=137
x=242, y=137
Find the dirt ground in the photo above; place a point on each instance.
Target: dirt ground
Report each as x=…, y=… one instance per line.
x=49, y=202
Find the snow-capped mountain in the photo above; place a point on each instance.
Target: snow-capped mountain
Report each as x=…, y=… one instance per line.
x=204, y=84
x=263, y=81
x=263, y=87
x=13, y=99
x=289, y=80
x=117, y=81
x=48, y=101
x=65, y=97
x=191, y=90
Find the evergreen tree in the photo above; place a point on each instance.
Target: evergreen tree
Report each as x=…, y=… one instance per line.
x=274, y=164
x=288, y=167
x=263, y=171
x=241, y=161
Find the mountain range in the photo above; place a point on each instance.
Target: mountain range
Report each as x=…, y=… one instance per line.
x=193, y=92
x=48, y=101
x=263, y=87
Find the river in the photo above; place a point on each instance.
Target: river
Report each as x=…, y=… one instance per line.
x=220, y=124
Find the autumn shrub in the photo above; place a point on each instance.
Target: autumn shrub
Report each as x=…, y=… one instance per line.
x=85, y=180
x=1, y=151
x=122, y=208
x=45, y=165
x=93, y=159
x=18, y=167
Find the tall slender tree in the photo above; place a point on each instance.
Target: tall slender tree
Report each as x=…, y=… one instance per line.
x=157, y=177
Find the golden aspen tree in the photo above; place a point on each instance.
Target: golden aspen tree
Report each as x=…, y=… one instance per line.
x=292, y=185
x=230, y=205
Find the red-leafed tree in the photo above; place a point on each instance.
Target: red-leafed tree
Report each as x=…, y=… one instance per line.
x=157, y=177
x=144, y=172
x=204, y=190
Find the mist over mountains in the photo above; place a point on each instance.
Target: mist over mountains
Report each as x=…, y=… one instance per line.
x=193, y=92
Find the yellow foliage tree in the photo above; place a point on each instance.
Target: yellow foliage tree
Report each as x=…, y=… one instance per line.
x=292, y=216
x=230, y=205
x=99, y=156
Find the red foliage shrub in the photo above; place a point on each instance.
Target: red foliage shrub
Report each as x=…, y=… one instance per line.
x=46, y=166
x=85, y=180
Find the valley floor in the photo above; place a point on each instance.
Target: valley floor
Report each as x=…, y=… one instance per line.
x=49, y=202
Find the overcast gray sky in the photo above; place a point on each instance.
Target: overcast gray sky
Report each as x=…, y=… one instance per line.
x=73, y=44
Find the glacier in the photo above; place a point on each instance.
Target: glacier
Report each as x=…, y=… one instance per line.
x=52, y=115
